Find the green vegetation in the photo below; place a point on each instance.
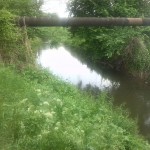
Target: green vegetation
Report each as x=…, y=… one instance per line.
x=23, y=7
x=119, y=47
x=38, y=111
x=55, y=36
x=15, y=43
x=9, y=36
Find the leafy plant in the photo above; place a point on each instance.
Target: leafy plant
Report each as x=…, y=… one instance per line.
x=108, y=45
x=46, y=113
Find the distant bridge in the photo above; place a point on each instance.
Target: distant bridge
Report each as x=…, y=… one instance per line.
x=81, y=21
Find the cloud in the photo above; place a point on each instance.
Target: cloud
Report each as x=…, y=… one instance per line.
x=55, y=6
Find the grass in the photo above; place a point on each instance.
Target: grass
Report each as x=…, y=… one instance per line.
x=40, y=112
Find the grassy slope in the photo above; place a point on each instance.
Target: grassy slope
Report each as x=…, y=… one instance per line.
x=40, y=112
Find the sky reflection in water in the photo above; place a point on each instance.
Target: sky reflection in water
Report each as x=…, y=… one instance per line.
x=61, y=63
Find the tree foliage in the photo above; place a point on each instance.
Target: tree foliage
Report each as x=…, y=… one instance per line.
x=113, y=8
x=109, y=44
x=15, y=42
x=22, y=7
x=13, y=46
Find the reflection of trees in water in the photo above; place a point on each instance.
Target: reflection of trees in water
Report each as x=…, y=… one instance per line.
x=41, y=48
x=79, y=85
x=136, y=98
x=103, y=70
x=115, y=85
x=93, y=90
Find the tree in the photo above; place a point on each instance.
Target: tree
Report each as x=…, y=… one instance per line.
x=103, y=8
x=109, y=44
x=13, y=41
x=22, y=7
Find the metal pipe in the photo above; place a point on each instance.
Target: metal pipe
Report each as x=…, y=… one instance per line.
x=81, y=21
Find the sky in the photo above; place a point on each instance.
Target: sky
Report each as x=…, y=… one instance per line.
x=55, y=6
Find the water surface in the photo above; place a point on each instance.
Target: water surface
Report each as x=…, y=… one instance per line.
x=61, y=63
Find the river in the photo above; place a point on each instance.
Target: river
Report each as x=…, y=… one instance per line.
x=124, y=90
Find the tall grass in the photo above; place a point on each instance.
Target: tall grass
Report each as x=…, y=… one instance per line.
x=40, y=112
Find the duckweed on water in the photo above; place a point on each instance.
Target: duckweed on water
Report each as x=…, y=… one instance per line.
x=40, y=112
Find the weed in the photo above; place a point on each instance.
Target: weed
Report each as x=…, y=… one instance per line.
x=38, y=111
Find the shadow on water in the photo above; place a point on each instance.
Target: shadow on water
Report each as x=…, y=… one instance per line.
x=136, y=98
x=125, y=90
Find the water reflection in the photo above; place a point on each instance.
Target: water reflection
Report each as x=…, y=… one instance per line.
x=61, y=63
x=136, y=98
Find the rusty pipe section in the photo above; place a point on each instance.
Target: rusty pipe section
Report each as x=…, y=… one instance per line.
x=81, y=21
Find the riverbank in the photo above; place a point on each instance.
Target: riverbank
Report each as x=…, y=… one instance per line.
x=39, y=111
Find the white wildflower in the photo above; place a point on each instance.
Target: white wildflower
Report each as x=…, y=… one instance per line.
x=81, y=119
x=22, y=125
x=45, y=103
x=82, y=131
x=6, y=105
x=30, y=108
x=59, y=102
x=52, y=112
x=41, y=111
x=48, y=114
x=65, y=132
x=38, y=90
x=65, y=109
x=37, y=112
x=46, y=92
x=45, y=132
x=58, y=124
x=56, y=128
x=63, y=112
x=39, y=136
x=23, y=101
x=39, y=94
x=72, y=121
